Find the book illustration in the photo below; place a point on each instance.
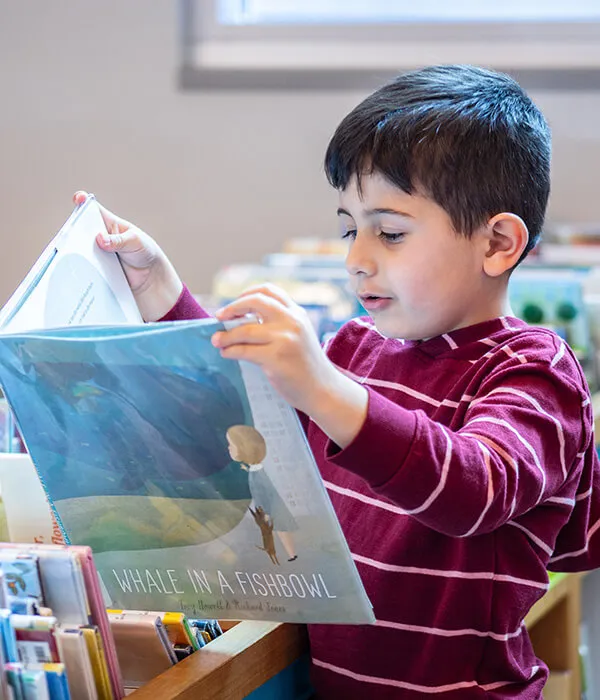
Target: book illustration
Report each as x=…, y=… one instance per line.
x=179, y=467
x=142, y=476
x=248, y=447
x=265, y=526
x=16, y=575
x=21, y=576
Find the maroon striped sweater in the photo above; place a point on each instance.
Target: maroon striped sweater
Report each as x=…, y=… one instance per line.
x=475, y=472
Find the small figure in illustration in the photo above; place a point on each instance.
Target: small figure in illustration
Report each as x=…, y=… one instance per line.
x=15, y=578
x=247, y=446
x=266, y=530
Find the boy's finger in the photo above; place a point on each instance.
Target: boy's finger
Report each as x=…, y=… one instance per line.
x=265, y=307
x=246, y=352
x=127, y=242
x=79, y=196
x=244, y=334
x=270, y=290
x=113, y=223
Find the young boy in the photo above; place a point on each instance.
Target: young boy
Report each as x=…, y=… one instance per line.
x=456, y=442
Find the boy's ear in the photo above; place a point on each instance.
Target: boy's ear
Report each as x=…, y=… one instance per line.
x=506, y=239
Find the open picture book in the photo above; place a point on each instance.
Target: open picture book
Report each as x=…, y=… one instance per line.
x=187, y=474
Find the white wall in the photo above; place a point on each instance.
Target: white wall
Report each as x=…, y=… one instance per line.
x=89, y=100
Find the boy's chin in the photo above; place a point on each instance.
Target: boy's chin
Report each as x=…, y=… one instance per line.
x=396, y=331
x=399, y=330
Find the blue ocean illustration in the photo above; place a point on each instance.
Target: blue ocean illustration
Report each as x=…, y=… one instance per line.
x=130, y=430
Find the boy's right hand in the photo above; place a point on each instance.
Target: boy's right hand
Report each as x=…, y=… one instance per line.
x=155, y=284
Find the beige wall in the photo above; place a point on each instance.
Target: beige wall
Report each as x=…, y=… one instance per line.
x=89, y=100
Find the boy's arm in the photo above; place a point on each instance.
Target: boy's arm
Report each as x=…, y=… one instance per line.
x=523, y=441
x=186, y=308
x=578, y=543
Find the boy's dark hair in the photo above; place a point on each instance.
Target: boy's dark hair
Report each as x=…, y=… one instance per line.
x=468, y=138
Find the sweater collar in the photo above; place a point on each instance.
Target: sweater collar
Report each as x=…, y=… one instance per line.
x=479, y=332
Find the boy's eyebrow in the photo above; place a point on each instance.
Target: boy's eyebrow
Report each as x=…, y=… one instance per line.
x=378, y=210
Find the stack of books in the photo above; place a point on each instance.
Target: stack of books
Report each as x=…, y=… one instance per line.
x=150, y=642
x=56, y=640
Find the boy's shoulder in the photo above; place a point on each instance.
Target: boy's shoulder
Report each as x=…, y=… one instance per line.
x=503, y=341
x=518, y=342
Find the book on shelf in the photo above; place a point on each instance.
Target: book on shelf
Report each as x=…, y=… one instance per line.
x=186, y=473
x=50, y=601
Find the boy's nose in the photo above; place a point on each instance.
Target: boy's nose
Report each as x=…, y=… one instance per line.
x=359, y=260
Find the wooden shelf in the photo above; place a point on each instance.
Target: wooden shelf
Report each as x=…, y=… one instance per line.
x=553, y=625
x=231, y=666
x=554, y=596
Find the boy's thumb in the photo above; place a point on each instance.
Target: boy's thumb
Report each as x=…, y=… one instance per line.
x=112, y=242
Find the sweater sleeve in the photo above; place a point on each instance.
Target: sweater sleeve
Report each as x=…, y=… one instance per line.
x=520, y=443
x=186, y=308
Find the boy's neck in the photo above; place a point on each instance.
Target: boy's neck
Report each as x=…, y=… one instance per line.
x=493, y=304
x=495, y=309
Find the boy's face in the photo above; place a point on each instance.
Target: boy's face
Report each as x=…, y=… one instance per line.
x=412, y=272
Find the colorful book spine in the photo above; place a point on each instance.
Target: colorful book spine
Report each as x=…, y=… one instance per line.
x=34, y=683
x=56, y=677
x=95, y=649
x=9, y=640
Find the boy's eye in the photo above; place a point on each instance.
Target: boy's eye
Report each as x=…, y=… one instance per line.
x=348, y=234
x=391, y=237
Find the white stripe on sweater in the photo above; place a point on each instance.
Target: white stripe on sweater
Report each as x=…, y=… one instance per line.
x=534, y=538
x=490, y=490
x=404, y=389
x=342, y=490
x=417, y=688
x=559, y=354
x=584, y=495
x=439, y=632
x=507, y=325
x=443, y=478
x=539, y=409
x=568, y=555
x=453, y=345
x=449, y=573
x=506, y=349
x=509, y=427
x=504, y=455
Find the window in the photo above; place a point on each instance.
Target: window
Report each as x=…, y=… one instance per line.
x=240, y=12
x=356, y=43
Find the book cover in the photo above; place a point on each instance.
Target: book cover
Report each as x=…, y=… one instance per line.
x=188, y=476
x=143, y=647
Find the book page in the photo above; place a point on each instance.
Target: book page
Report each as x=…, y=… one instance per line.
x=73, y=282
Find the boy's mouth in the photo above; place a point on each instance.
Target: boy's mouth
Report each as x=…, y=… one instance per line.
x=374, y=302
